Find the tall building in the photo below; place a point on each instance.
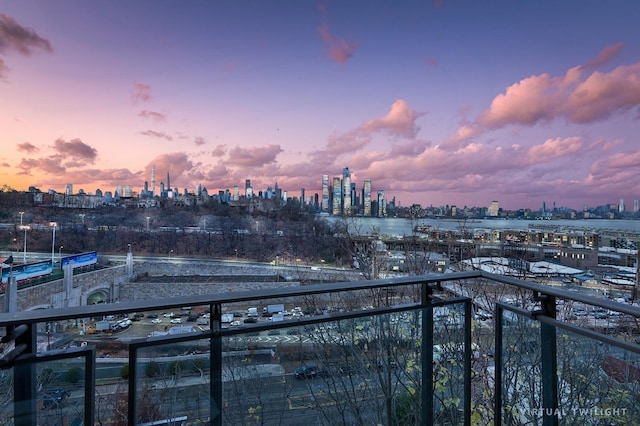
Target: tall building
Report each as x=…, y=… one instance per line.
x=325, y=193
x=366, y=197
x=621, y=205
x=337, y=197
x=636, y=206
x=346, y=192
x=494, y=209
x=248, y=191
x=153, y=180
x=301, y=198
x=382, y=204
x=69, y=189
x=168, y=182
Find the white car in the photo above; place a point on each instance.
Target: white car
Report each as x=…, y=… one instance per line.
x=156, y=321
x=176, y=321
x=168, y=315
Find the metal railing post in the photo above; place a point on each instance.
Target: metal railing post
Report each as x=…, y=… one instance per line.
x=427, y=355
x=24, y=383
x=215, y=403
x=549, y=359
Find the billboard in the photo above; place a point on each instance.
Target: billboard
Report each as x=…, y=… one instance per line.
x=79, y=260
x=24, y=272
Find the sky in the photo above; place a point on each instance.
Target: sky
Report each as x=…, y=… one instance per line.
x=437, y=102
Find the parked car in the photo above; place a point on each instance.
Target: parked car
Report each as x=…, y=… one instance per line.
x=176, y=321
x=156, y=321
x=152, y=316
x=54, y=397
x=309, y=371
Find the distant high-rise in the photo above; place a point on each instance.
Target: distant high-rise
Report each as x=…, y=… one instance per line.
x=337, y=197
x=325, y=193
x=153, y=180
x=621, y=205
x=248, y=191
x=366, y=197
x=636, y=206
x=168, y=182
x=301, y=198
x=382, y=204
x=69, y=189
x=346, y=192
x=494, y=209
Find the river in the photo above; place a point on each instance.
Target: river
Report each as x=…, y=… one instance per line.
x=397, y=226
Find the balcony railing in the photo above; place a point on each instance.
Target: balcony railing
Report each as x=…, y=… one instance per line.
x=463, y=348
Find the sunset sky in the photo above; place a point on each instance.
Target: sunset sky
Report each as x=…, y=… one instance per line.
x=445, y=102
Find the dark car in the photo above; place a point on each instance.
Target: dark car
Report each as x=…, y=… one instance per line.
x=152, y=316
x=53, y=397
x=309, y=371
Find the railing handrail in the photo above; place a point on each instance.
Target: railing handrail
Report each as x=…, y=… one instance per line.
x=59, y=314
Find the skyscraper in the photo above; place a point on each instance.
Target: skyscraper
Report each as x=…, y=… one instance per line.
x=337, y=197
x=325, y=193
x=382, y=204
x=366, y=197
x=346, y=192
x=153, y=180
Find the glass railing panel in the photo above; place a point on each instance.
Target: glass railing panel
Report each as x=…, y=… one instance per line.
x=173, y=382
x=598, y=383
x=6, y=396
x=521, y=370
x=352, y=371
x=449, y=364
x=60, y=391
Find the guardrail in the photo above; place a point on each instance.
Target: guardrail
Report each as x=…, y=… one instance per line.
x=456, y=348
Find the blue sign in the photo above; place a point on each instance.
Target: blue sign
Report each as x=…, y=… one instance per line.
x=79, y=260
x=31, y=270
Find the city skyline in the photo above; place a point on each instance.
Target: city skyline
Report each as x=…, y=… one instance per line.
x=437, y=104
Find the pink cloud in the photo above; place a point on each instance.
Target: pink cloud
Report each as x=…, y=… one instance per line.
x=140, y=92
x=155, y=116
x=254, y=156
x=604, y=57
x=411, y=149
x=603, y=94
x=576, y=96
x=463, y=135
x=339, y=50
x=15, y=37
x=75, y=149
x=555, y=148
x=199, y=141
x=219, y=151
x=27, y=147
x=399, y=121
x=159, y=135
x=4, y=69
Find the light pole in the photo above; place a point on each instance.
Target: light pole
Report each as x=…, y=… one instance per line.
x=53, y=242
x=60, y=254
x=148, y=218
x=24, y=252
x=170, y=252
x=21, y=214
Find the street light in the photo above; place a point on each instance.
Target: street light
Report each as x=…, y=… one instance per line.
x=60, y=254
x=24, y=253
x=53, y=242
x=148, y=218
x=170, y=251
x=21, y=214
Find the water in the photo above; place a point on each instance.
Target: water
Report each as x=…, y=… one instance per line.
x=397, y=226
